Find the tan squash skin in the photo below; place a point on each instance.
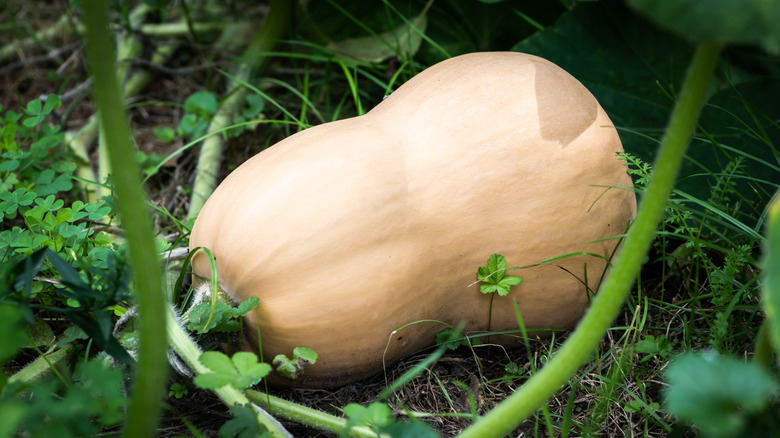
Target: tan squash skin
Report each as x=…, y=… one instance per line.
x=349, y=230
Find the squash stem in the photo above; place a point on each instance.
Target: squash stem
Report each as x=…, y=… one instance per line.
x=308, y=416
x=150, y=372
x=574, y=353
x=190, y=353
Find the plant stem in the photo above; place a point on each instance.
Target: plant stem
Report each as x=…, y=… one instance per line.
x=40, y=367
x=254, y=59
x=606, y=305
x=308, y=416
x=190, y=353
x=151, y=370
x=770, y=298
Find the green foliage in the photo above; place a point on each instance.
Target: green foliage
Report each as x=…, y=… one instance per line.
x=493, y=275
x=11, y=322
x=743, y=22
x=241, y=371
x=178, y=390
x=38, y=112
x=199, y=109
x=224, y=318
x=451, y=338
x=254, y=106
x=164, y=133
x=706, y=247
x=90, y=293
x=82, y=408
x=717, y=393
x=652, y=347
x=242, y=425
x=379, y=418
x=293, y=368
x=36, y=206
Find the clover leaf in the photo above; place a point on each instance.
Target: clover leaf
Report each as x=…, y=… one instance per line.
x=493, y=275
x=241, y=371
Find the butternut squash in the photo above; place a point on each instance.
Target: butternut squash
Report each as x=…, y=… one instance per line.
x=349, y=230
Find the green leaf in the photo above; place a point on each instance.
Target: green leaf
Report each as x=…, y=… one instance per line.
x=164, y=133
x=50, y=203
x=450, y=338
x=250, y=370
x=48, y=182
x=52, y=102
x=9, y=165
x=242, y=371
x=494, y=270
x=293, y=368
x=654, y=346
x=493, y=275
x=202, y=103
x=242, y=425
x=506, y=283
x=191, y=124
x=11, y=323
x=255, y=105
x=97, y=211
x=403, y=41
x=224, y=318
x=741, y=22
x=178, y=390
x=10, y=201
x=34, y=112
x=39, y=334
x=375, y=415
x=716, y=392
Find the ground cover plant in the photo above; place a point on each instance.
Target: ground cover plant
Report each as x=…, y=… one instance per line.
x=681, y=339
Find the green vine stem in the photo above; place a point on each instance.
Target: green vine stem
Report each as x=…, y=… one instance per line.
x=574, y=353
x=190, y=353
x=254, y=59
x=308, y=416
x=151, y=369
x=41, y=367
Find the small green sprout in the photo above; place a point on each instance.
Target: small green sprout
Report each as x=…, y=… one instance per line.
x=495, y=280
x=292, y=368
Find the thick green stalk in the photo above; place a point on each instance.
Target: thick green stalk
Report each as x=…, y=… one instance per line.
x=151, y=369
x=41, y=367
x=308, y=416
x=574, y=353
x=254, y=59
x=190, y=353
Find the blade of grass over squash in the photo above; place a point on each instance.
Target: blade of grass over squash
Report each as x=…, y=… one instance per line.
x=606, y=304
x=150, y=372
x=253, y=60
